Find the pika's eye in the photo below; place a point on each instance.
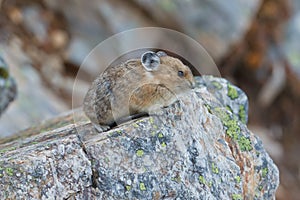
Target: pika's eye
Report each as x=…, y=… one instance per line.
x=180, y=73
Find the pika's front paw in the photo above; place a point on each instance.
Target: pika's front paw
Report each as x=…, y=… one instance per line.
x=101, y=128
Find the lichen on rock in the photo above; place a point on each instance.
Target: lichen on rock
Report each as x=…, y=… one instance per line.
x=197, y=148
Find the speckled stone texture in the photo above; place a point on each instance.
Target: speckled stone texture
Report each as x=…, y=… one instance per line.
x=45, y=167
x=197, y=148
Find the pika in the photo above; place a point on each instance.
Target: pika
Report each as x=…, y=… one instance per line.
x=135, y=87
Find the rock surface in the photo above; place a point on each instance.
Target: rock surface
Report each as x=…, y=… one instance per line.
x=35, y=101
x=197, y=148
x=215, y=24
x=8, y=88
x=291, y=49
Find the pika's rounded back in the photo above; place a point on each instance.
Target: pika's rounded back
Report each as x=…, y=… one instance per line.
x=136, y=86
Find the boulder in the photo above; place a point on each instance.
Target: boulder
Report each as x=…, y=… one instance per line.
x=197, y=148
x=8, y=87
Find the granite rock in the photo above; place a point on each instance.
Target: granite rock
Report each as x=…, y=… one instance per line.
x=197, y=148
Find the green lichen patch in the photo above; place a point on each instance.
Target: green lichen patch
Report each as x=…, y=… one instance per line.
x=217, y=85
x=9, y=171
x=128, y=187
x=237, y=179
x=214, y=168
x=162, y=139
x=242, y=114
x=237, y=197
x=222, y=114
x=245, y=144
x=233, y=128
x=232, y=92
x=160, y=135
x=265, y=172
x=155, y=127
x=143, y=187
x=151, y=120
x=140, y=153
x=135, y=125
x=202, y=180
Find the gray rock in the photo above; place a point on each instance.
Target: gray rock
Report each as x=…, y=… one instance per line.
x=8, y=88
x=35, y=101
x=34, y=23
x=215, y=24
x=230, y=96
x=194, y=149
x=291, y=38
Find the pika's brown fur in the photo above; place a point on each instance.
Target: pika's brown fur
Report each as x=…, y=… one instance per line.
x=129, y=89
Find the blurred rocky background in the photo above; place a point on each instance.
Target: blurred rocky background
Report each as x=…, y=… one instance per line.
x=254, y=43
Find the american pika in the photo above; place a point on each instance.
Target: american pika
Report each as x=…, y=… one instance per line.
x=136, y=86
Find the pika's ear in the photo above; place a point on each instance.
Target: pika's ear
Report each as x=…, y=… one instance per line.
x=161, y=53
x=150, y=61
